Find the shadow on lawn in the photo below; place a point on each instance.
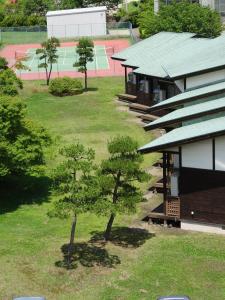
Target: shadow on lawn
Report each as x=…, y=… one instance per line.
x=87, y=255
x=127, y=237
x=15, y=191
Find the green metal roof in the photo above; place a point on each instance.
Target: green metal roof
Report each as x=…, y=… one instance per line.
x=191, y=95
x=189, y=112
x=168, y=54
x=187, y=134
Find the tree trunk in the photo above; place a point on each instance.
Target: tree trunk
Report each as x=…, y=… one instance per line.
x=46, y=72
x=72, y=236
x=109, y=227
x=85, y=80
x=114, y=200
x=49, y=75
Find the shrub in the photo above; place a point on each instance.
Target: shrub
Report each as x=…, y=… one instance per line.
x=65, y=86
x=9, y=83
x=180, y=17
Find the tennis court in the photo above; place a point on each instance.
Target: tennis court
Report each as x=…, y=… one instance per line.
x=67, y=56
x=102, y=64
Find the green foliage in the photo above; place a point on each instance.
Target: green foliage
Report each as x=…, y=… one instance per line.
x=130, y=14
x=70, y=4
x=9, y=82
x=85, y=50
x=118, y=175
x=22, y=20
x=21, y=141
x=48, y=56
x=35, y=7
x=3, y=63
x=65, y=86
x=74, y=182
x=180, y=17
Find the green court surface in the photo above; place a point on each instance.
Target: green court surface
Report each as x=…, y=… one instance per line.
x=66, y=60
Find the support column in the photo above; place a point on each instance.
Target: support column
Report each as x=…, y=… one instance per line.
x=126, y=89
x=164, y=181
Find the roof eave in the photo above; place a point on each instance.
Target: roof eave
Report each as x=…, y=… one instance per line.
x=181, y=142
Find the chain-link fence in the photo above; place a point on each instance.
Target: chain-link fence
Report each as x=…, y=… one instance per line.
x=38, y=34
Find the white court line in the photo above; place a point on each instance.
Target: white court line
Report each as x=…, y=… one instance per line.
x=64, y=57
x=31, y=62
x=96, y=60
x=106, y=57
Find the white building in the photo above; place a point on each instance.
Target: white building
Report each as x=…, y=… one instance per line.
x=77, y=22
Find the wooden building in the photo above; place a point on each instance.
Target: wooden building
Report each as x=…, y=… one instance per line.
x=193, y=166
x=167, y=64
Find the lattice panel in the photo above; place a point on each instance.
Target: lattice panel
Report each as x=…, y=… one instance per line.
x=173, y=207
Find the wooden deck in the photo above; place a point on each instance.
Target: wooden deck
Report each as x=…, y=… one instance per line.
x=138, y=107
x=127, y=98
x=162, y=216
x=158, y=186
x=146, y=118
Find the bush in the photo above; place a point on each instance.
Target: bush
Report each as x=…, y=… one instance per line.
x=65, y=86
x=180, y=17
x=10, y=84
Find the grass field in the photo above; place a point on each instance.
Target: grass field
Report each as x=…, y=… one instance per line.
x=22, y=37
x=137, y=264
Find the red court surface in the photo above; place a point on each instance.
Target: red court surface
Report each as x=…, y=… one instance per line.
x=115, y=68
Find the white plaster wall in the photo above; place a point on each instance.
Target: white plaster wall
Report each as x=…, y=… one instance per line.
x=220, y=153
x=209, y=3
x=180, y=84
x=198, y=155
x=205, y=78
x=79, y=24
x=202, y=227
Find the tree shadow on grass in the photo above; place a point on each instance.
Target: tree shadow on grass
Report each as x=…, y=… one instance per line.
x=126, y=237
x=18, y=190
x=92, y=89
x=87, y=255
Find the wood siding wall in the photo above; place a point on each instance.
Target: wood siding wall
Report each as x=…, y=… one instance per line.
x=202, y=192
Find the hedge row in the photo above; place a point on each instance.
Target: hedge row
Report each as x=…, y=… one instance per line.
x=21, y=20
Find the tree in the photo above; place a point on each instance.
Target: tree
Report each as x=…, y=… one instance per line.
x=118, y=175
x=9, y=82
x=22, y=142
x=180, y=17
x=35, y=7
x=48, y=54
x=75, y=184
x=85, y=51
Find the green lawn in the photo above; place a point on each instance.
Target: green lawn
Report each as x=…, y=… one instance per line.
x=22, y=37
x=137, y=264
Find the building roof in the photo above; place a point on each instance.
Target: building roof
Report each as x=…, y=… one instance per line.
x=190, y=95
x=187, y=134
x=189, y=112
x=168, y=55
x=75, y=11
